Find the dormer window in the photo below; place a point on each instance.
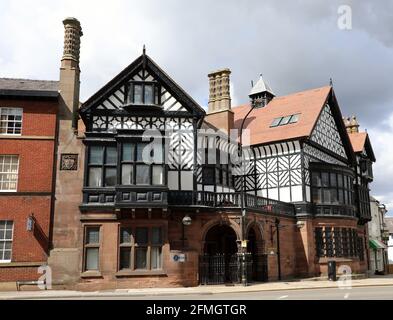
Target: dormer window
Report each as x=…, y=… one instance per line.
x=143, y=93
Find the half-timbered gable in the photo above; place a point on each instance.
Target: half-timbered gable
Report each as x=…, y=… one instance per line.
x=142, y=97
x=326, y=133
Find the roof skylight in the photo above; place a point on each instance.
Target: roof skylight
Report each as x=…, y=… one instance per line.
x=281, y=121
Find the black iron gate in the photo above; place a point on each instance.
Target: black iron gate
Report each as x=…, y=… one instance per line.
x=221, y=268
x=212, y=269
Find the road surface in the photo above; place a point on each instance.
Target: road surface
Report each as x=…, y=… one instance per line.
x=356, y=293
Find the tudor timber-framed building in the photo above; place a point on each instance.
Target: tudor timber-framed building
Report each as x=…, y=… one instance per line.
x=120, y=221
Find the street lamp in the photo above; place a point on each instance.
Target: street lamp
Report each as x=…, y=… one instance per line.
x=186, y=221
x=254, y=103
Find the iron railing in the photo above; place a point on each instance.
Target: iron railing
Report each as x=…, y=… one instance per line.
x=212, y=269
x=223, y=268
x=228, y=200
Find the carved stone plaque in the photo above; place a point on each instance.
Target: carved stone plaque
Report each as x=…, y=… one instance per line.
x=68, y=161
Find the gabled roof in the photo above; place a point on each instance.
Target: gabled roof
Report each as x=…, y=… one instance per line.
x=143, y=61
x=261, y=86
x=12, y=87
x=361, y=141
x=308, y=103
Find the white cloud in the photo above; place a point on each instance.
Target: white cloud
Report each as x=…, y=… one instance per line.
x=296, y=45
x=382, y=141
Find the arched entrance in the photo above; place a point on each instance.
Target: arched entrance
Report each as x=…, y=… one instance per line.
x=219, y=247
x=220, y=239
x=255, y=247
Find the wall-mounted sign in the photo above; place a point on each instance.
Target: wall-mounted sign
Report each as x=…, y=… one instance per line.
x=68, y=161
x=178, y=257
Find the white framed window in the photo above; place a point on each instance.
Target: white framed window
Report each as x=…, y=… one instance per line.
x=11, y=121
x=6, y=234
x=9, y=167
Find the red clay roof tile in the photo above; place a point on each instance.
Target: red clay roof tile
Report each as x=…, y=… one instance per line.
x=308, y=103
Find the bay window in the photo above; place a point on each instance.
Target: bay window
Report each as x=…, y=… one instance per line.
x=332, y=188
x=135, y=167
x=102, y=163
x=139, y=164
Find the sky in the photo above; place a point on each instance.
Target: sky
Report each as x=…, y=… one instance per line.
x=296, y=45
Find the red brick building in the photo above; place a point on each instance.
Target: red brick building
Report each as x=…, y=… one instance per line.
x=28, y=115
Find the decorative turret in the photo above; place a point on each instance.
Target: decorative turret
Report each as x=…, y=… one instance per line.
x=261, y=93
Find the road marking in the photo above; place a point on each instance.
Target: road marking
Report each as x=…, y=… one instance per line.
x=282, y=297
x=346, y=295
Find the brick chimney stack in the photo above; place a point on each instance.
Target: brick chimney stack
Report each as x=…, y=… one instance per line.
x=219, y=108
x=69, y=71
x=351, y=124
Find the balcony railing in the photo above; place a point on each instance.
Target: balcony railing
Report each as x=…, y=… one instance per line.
x=228, y=200
x=125, y=197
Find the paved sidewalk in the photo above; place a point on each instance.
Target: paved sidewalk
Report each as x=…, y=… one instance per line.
x=216, y=289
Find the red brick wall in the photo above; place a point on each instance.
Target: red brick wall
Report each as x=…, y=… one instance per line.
x=12, y=274
x=26, y=245
x=35, y=175
x=35, y=163
x=39, y=117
